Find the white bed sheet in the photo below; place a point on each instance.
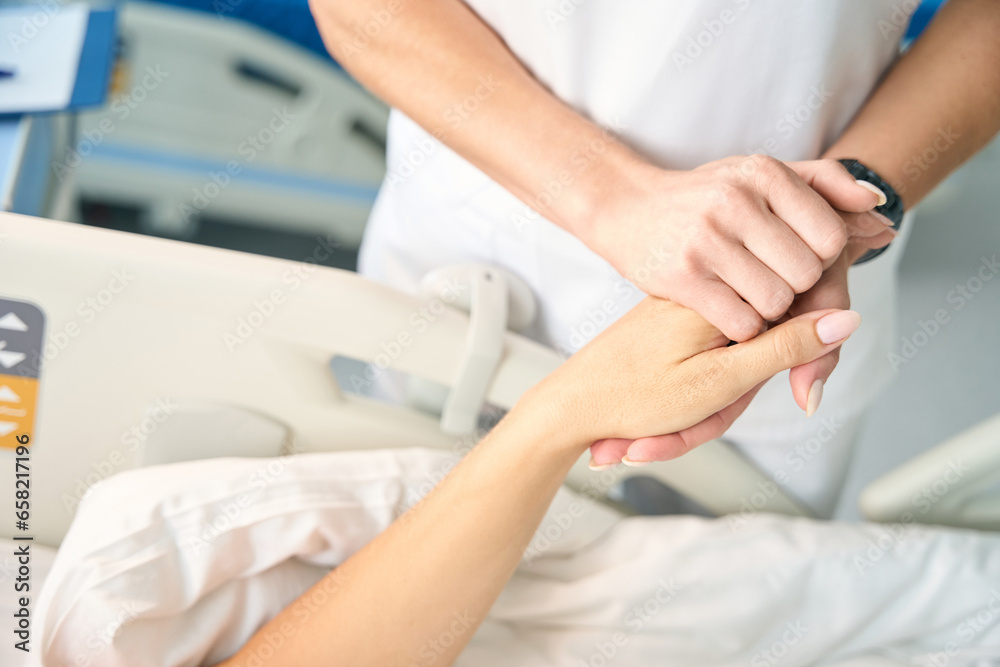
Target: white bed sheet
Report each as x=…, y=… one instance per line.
x=180, y=564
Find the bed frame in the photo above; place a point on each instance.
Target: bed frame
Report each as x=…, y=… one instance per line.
x=158, y=350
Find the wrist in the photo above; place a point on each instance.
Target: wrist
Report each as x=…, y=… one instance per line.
x=549, y=414
x=617, y=179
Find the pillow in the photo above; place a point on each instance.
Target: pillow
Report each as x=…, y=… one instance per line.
x=179, y=564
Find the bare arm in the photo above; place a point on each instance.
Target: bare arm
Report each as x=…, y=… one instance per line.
x=741, y=236
x=938, y=105
x=661, y=368
x=431, y=55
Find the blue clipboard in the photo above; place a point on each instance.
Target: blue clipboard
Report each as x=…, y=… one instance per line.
x=91, y=84
x=96, y=59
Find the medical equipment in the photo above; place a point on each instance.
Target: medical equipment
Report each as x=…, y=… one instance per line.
x=159, y=351
x=29, y=145
x=955, y=484
x=220, y=119
x=141, y=331
x=171, y=351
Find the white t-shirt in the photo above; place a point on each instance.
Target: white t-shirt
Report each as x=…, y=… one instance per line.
x=685, y=82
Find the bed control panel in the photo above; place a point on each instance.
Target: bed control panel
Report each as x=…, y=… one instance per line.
x=22, y=329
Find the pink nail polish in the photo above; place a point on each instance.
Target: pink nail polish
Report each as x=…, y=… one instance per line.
x=837, y=326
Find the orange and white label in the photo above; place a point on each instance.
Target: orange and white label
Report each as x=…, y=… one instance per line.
x=22, y=327
x=17, y=408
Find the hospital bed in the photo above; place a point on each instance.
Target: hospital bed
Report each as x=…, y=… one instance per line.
x=221, y=119
x=157, y=351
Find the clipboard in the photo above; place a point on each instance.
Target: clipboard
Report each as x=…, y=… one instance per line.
x=61, y=60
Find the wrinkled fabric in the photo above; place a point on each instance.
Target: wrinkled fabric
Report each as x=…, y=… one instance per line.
x=179, y=565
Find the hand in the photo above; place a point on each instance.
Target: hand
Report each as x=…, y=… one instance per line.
x=807, y=380
x=735, y=239
x=662, y=368
x=829, y=292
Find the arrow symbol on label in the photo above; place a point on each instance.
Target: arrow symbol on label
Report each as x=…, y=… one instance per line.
x=12, y=322
x=8, y=396
x=6, y=427
x=8, y=359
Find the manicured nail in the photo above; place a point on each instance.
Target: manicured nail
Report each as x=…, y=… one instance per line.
x=599, y=466
x=814, y=397
x=881, y=218
x=837, y=326
x=635, y=464
x=874, y=188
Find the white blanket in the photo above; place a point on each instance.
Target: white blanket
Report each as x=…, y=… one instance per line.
x=180, y=564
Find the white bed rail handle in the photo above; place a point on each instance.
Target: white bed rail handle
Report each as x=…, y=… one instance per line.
x=496, y=301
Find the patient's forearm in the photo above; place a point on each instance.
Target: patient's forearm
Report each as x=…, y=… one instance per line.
x=433, y=575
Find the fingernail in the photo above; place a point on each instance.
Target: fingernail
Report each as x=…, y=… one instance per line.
x=635, y=464
x=599, y=466
x=873, y=188
x=881, y=218
x=814, y=397
x=837, y=326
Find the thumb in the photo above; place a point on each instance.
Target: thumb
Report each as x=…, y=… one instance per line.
x=793, y=343
x=834, y=183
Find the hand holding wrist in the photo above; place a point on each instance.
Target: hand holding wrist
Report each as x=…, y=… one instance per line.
x=734, y=239
x=662, y=368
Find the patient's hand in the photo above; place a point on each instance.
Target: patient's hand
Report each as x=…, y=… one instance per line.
x=662, y=369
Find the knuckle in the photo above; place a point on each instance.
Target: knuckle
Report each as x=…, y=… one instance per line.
x=711, y=227
x=686, y=271
x=726, y=195
x=829, y=164
x=807, y=276
x=745, y=328
x=778, y=303
x=765, y=164
x=788, y=345
x=834, y=243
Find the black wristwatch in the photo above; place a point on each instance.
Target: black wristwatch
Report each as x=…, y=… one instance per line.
x=892, y=208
